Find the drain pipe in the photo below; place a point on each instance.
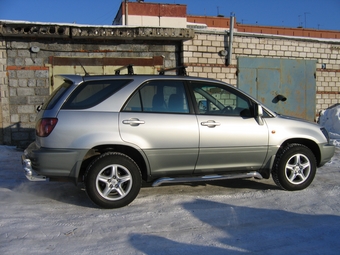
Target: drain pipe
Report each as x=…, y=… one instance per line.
x=231, y=34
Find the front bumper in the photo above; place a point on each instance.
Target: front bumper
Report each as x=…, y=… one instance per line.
x=327, y=152
x=29, y=172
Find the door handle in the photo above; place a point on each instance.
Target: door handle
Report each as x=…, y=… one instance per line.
x=210, y=123
x=133, y=122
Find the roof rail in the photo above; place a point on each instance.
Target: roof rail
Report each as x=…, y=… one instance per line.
x=128, y=67
x=180, y=70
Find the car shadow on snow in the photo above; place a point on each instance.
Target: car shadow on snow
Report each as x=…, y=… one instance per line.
x=70, y=194
x=242, y=230
x=252, y=184
x=63, y=192
x=66, y=192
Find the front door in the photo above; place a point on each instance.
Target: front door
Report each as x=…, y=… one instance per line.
x=230, y=137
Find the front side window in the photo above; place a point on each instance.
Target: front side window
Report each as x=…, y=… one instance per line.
x=159, y=96
x=213, y=99
x=89, y=94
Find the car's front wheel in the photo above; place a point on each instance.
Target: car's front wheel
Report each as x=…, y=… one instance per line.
x=112, y=180
x=294, y=167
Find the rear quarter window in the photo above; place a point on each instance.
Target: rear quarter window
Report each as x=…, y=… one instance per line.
x=56, y=95
x=91, y=93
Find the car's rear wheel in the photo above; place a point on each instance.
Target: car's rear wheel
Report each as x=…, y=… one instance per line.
x=294, y=167
x=112, y=180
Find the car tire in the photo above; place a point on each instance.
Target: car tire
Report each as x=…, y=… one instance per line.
x=294, y=167
x=112, y=180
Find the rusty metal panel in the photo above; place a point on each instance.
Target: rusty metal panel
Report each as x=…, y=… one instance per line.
x=106, y=61
x=287, y=86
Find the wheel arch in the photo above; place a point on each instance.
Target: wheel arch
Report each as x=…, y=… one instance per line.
x=267, y=169
x=313, y=146
x=131, y=152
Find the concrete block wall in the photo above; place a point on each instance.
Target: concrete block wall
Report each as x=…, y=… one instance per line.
x=28, y=86
x=3, y=89
x=203, y=59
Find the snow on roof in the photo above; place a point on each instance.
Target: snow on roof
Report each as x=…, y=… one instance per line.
x=54, y=23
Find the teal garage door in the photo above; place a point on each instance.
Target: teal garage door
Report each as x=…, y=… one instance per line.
x=287, y=86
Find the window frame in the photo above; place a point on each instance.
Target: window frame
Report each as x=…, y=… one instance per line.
x=235, y=92
x=112, y=88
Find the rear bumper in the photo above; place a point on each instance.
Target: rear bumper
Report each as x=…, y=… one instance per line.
x=40, y=164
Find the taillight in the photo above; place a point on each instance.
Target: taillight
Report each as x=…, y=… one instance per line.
x=45, y=126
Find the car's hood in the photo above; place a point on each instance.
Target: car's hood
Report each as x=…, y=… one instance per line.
x=295, y=118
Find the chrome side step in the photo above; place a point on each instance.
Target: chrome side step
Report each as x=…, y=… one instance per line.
x=163, y=180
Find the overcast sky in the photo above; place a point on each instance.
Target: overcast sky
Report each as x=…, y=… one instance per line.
x=317, y=14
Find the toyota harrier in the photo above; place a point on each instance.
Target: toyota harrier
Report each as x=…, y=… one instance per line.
x=112, y=132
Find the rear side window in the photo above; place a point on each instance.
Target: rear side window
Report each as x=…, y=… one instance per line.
x=56, y=95
x=89, y=94
x=159, y=96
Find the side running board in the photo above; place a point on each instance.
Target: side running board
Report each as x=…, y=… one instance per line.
x=205, y=178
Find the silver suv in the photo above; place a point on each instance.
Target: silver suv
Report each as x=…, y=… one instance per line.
x=112, y=132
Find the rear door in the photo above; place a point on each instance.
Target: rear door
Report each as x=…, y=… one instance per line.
x=157, y=119
x=230, y=137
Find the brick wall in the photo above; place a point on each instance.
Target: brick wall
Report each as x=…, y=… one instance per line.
x=203, y=59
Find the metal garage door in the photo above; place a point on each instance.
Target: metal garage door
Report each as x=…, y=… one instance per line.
x=272, y=80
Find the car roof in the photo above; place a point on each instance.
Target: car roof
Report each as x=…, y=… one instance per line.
x=81, y=78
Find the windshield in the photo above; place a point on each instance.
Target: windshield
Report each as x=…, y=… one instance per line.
x=54, y=97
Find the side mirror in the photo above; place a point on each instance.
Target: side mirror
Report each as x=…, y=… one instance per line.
x=259, y=115
x=259, y=110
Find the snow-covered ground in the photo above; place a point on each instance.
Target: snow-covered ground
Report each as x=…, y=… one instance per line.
x=229, y=217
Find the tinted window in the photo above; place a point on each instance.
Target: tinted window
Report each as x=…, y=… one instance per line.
x=54, y=97
x=214, y=99
x=159, y=96
x=89, y=94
